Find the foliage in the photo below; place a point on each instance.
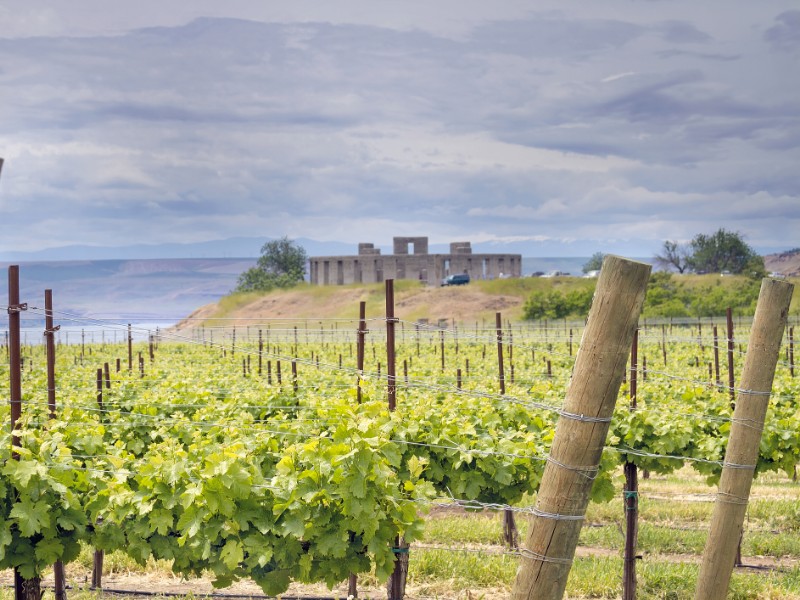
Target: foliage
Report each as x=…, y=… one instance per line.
x=282, y=264
x=237, y=476
x=665, y=297
x=557, y=305
x=724, y=251
x=668, y=296
x=595, y=263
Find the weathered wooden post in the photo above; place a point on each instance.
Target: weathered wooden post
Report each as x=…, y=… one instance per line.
x=631, y=496
x=747, y=426
x=500, y=369
x=24, y=589
x=731, y=346
x=581, y=430
x=396, y=586
x=50, y=347
x=361, y=337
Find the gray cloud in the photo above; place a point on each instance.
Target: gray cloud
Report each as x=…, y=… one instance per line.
x=681, y=32
x=785, y=34
x=644, y=124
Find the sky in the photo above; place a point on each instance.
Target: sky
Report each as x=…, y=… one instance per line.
x=623, y=123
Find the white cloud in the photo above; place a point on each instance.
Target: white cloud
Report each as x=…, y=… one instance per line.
x=425, y=150
x=611, y=78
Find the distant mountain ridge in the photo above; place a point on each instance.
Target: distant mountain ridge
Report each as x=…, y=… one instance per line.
x=250, y=247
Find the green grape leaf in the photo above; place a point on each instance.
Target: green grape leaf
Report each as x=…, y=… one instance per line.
x=49, y=551
x=21, y=471
x=274, y=582
x=31, y=517
x=232, y=554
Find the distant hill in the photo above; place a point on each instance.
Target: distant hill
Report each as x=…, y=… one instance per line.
x=236, y=247
x=784, y=263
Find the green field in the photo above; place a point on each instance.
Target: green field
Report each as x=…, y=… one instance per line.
x=203, y=466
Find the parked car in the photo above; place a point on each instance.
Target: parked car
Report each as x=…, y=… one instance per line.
x=461, y=279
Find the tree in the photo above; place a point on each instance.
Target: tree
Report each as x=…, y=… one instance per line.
x=595, y=263
x=674, y=255
x=723, y=251
x=282, y=264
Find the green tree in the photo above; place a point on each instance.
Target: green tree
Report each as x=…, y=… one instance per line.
x=282, y=264
x=595, y=263
x=723, y=251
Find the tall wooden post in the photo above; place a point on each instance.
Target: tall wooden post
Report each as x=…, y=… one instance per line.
x=391, y=382
x=631, y=496
x=747, y=426
x=24, y=589
x=396, y=586
x=352, y=580
x=361, y=337
x=581, y=430
x=731, y=346
x=499, y=333
x=50, y=347
x=130, y=349
x=260, y=351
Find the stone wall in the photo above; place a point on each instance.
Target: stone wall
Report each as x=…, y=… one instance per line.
x=370, y=266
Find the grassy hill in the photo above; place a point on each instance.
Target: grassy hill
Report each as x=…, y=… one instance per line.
x=476, y=302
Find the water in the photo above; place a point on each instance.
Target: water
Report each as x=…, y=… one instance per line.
x=108, y=332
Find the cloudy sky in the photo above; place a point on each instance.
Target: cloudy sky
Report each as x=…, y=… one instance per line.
x=626, y=122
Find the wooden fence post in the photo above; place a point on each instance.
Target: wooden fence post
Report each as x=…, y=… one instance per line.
x=581, y=430
x=50, y=347
x=731, y=346
x=747, y=426
x=396, y=586
x=631, y=496
x=24, y=589
x=361, y=336
x=499, y=334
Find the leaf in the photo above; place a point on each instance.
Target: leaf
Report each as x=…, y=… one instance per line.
x=161, y=521
x=49, y=551
x=293, y=525
x=5, y=538
x=258, y=549
x=71, y=519
x=21, y=471
x=232, y=554
x=416, y=466
x=274, y=582
x=31, y=517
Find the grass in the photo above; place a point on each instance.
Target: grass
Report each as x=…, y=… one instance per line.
x=672, y=536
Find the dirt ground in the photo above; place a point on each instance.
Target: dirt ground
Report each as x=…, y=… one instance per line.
x=163, y=582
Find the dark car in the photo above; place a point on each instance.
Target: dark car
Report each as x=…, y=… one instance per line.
x=461, y=279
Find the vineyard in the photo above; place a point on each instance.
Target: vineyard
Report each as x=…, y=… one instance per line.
x=330, y=450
